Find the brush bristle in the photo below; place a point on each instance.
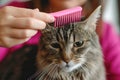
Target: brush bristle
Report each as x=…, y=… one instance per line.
x=67, y=16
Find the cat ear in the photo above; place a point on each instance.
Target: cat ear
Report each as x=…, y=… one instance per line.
x=92, y=19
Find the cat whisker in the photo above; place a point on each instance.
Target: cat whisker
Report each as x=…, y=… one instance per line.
x=50, y=71
x=83, y=67
x=87, y=69
x=89, y=64
x=53, y=73
x=56, y=72
x=36, y=73
x=39, y=75
x=44, y=71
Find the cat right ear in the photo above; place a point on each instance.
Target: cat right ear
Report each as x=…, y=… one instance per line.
x=92, y=19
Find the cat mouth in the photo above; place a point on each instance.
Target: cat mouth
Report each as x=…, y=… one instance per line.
x=66, y=69
x=67, y=66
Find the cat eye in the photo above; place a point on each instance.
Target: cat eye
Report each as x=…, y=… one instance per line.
x=55, y=45
x=78, y=44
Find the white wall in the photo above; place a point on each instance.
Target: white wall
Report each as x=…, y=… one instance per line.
x=111, y=13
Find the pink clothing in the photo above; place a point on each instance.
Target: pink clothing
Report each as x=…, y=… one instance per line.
x=5, y=51
x=109, y=42
x=111, y=50
x=17, y=3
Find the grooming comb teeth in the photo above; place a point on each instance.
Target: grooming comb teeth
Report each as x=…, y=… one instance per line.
x=67, y=16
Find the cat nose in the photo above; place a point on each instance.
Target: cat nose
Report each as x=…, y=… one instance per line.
x=67, y=60
x=67, y=57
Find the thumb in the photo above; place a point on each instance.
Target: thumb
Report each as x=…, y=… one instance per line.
x=36, y=9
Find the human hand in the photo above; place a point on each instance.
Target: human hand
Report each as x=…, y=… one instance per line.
x=18, y=25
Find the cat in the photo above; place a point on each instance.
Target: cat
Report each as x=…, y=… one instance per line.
x=70, y=52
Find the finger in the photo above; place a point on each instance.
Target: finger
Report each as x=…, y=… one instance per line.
x=9, y=42
x=23, y=12
x=22, y=33
x=27, y=23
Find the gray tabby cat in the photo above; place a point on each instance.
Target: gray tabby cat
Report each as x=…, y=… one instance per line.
x=71, y=52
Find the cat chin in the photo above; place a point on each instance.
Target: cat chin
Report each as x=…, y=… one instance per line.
x=72, y=65
x=72, y=68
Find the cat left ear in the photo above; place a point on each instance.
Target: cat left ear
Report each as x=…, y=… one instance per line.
x=47, y=29
x=92, y=19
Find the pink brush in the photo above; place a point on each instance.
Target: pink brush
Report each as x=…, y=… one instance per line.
x=67, y=16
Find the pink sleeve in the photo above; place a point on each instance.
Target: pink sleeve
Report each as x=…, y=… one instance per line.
x=3, y=53
x=111, y=48
x=33, y=41
x=16, y=3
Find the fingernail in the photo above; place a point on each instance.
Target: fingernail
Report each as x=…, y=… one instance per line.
x=52, y=18
x=36, y=9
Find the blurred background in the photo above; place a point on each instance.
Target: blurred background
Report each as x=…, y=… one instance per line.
x=112, y=13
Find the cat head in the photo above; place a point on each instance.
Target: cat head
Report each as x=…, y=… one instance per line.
x=67, y=48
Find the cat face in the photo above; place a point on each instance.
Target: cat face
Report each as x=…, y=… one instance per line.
x=68, y=48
